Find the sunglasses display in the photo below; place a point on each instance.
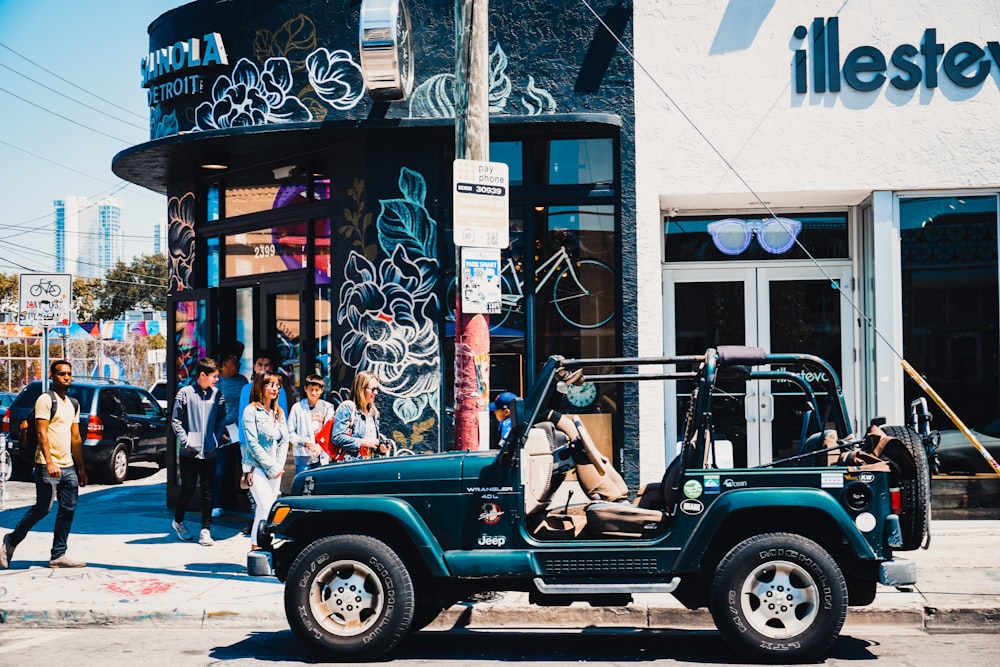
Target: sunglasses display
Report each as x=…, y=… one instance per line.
x=775, y=235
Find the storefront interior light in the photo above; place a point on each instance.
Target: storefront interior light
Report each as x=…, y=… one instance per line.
x=214, y=165
x=539, y=208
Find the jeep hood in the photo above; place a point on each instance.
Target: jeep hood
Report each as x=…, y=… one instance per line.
x=429, y=473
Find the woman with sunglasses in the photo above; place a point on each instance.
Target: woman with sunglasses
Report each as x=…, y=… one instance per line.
x=355, y=424
x=265, y=446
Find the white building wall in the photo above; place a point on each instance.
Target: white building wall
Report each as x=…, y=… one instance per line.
x=719, y=124
x=728, y=67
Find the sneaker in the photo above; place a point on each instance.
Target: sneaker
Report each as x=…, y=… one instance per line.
x=65, y=561
x=205, y=539
x=181, y=531
x=6, y=551
x=216, y=512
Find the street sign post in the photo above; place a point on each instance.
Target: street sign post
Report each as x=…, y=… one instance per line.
x=45, y=300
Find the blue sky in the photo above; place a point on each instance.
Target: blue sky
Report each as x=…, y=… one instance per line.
x=89, y=48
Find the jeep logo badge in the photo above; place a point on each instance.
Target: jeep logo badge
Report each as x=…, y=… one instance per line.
x=492, y=540
x=692, y=506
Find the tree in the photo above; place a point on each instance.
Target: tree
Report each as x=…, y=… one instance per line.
x=140, y=286
x=86, y=294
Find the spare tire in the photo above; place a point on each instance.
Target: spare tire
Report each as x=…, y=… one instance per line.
x=909, y=464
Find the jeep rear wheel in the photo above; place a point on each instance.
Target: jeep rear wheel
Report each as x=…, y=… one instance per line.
x=350, y=596
x=779, y=598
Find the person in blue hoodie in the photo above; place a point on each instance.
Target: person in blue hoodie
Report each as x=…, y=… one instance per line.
x=198, y=422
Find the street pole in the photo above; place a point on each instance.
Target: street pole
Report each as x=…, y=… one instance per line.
x=472, y=142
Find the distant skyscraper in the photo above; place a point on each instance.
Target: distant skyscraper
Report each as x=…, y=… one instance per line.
x=160, y=236
x=89, y=236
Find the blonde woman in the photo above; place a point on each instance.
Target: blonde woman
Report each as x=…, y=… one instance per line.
x=265, y=446
x=355, y=424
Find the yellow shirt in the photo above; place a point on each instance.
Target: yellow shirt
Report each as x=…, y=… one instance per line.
x=59, y=431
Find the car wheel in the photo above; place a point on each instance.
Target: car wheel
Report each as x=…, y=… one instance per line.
x=779, y=598
x=117, y=469
x=914, y=519
x=350, y=596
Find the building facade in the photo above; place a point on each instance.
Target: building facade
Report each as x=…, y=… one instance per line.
x=803, y=176
x=89, y=236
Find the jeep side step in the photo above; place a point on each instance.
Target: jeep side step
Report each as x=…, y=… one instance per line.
x=577, y=588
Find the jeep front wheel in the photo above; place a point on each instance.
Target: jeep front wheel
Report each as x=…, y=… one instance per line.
x=350, y=596
x=779, y=598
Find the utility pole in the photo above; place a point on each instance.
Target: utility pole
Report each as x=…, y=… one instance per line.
x=472, y=142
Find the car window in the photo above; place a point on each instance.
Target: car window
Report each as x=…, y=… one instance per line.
x=28, y=396
x=131, y=403
x=108, y=403
x=145, y=403
x=83, y=395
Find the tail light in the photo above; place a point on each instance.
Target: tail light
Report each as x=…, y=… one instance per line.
x=95, y=428
x=896, y=500
x=6, y=421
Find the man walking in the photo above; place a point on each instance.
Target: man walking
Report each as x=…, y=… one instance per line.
x=59, y=470
x=199, y=420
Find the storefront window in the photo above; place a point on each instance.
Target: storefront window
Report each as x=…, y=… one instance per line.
x=213, y=203
x=509, y=152
x=213, y=261
x=190, y=338
x=266, y=250
x=242, y=200
x=573, y=161
x=948, y=255
x=321, y=251
x=756, y=238
x=322, y=334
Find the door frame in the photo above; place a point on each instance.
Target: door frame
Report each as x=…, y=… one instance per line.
x=755, y=279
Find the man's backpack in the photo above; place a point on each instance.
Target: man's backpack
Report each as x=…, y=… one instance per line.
x=27, y=433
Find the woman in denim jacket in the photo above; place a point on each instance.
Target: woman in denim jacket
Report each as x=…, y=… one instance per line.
x=355, y=424
x=265, y=446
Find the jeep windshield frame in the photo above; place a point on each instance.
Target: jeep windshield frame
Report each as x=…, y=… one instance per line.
x=729, y=362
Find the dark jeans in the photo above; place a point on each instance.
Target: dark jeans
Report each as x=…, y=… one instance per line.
x=191, y=470
x=64, y=490
x=227, y=471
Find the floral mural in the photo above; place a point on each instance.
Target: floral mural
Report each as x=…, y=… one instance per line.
x=252, y=96
x=180, y=228
x=388, y=309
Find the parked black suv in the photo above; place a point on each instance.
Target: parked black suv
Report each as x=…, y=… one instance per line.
x=119, y=423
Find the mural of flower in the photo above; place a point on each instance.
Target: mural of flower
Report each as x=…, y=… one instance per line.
x=180, y=228
x=162, y=125
x=336, y=78
x=537, y=101
x=252, y=96
x=389, y=314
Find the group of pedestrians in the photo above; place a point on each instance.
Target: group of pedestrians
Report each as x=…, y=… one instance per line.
x=210, y=430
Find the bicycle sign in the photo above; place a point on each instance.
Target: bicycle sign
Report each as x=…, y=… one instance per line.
x=45, y=299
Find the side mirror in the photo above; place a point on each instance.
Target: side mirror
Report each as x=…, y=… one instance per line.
x=517, y=414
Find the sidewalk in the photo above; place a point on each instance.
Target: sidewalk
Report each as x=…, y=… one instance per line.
x=139, y=574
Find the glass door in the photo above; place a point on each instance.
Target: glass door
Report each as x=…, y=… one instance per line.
x=283, y=310
x=781, y=309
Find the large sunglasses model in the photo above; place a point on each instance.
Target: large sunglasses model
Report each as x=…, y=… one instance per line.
x=775, y=235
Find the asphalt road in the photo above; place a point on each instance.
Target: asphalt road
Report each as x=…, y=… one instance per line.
x=95, y=647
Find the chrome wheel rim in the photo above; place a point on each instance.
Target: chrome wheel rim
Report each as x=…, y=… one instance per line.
x=779, y=599
x=346, y=598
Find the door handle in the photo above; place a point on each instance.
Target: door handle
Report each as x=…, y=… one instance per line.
x=750, y=407
x=766, y=407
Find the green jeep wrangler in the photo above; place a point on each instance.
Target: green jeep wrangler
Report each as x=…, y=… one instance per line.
x=372, y=550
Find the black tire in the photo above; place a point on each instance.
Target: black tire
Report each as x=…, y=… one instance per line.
x=369, y=623
x=779, y=597
x=117, y=466
x=914, y=520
